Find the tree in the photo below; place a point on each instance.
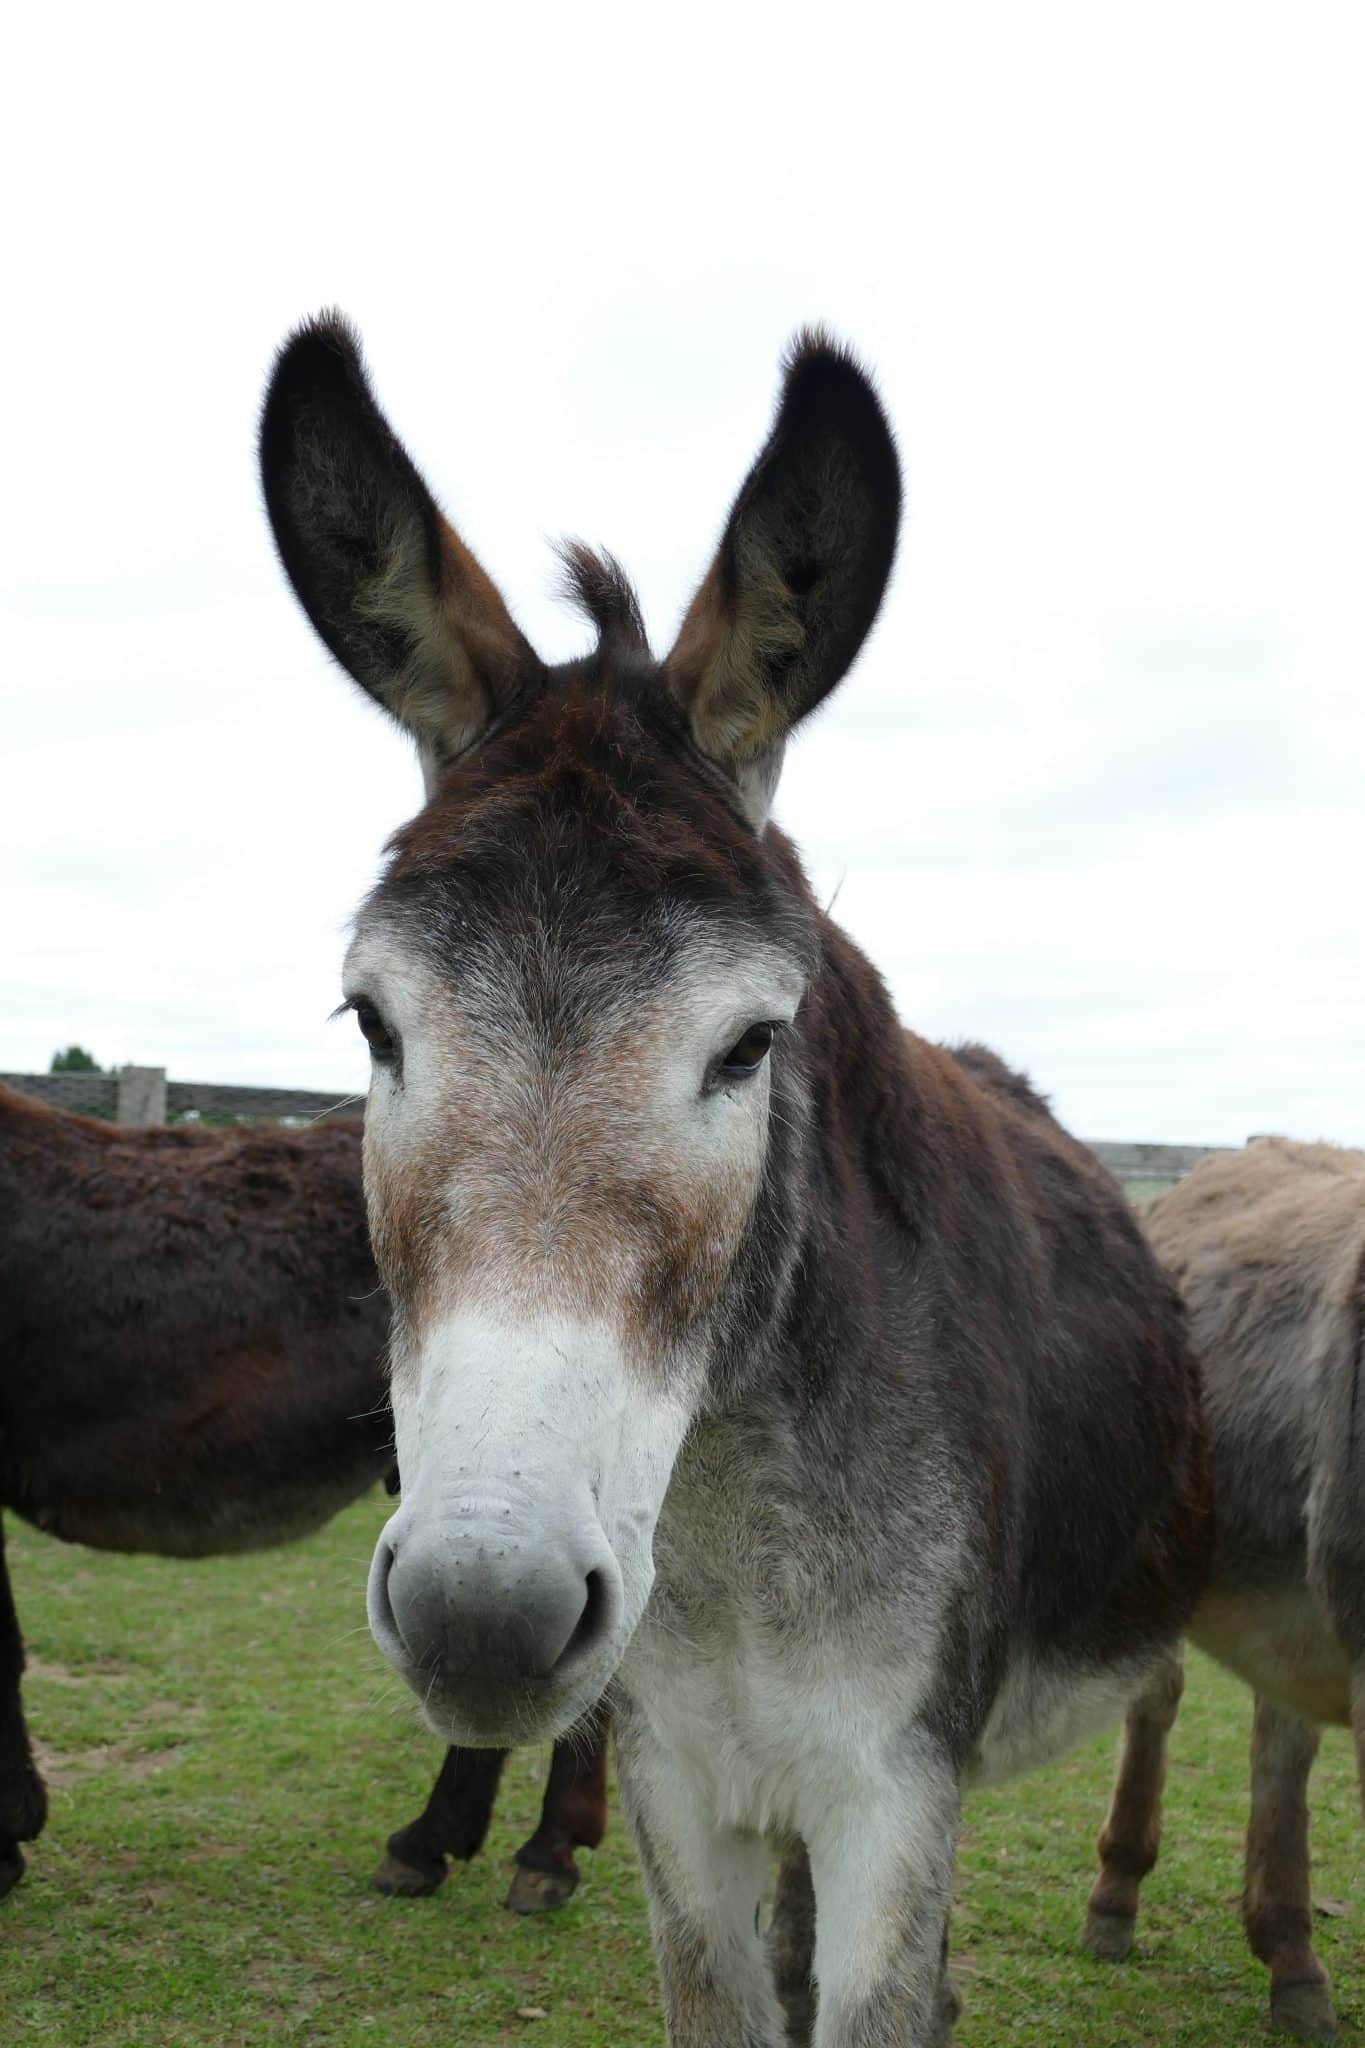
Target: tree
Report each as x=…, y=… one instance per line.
x=75, y=1060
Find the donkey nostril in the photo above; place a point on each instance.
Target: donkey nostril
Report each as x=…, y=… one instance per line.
x=592, y=1622
x=379, y=1585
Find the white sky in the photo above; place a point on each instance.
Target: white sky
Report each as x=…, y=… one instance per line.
x=1094, y=792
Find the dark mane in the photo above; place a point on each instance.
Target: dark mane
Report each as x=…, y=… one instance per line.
x=990, y=1070
x=596, y=585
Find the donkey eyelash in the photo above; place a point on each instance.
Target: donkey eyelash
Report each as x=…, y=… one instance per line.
x=384, y=1044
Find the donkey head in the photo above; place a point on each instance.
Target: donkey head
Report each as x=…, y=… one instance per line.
x=581, y=978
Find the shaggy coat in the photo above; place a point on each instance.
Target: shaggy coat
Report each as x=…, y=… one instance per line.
x=1268, y=1247
x=192, y=1339
x=799, y=1381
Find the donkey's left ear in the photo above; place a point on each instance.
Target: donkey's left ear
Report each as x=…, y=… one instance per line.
x=389, y=585
x=799, y=573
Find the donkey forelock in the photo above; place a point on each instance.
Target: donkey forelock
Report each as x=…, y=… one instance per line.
x=596, y=583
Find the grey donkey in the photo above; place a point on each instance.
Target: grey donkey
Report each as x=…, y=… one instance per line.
x=798, y=1384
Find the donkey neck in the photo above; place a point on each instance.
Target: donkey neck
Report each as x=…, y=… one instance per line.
x=902, y=1250
x=810, y=1411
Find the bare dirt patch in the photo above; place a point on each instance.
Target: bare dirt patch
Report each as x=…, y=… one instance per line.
x=101, y=1669
x=63, y=1768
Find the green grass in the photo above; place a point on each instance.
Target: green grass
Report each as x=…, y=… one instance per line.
x=226, y=1757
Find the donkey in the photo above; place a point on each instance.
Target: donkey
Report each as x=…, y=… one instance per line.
x=801, y=1386
x=1268, y=1246
x=191, y=1361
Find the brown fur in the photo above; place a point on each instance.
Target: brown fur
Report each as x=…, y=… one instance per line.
x=550, y=1189
x=192, y=1329
x=192, y=1337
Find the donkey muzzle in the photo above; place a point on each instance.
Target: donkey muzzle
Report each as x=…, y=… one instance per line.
x=499, y=1633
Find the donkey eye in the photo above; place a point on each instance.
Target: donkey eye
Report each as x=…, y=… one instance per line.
x=747, y=1054
x=376, y=1032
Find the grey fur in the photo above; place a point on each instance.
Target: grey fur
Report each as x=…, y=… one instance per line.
x=854, y=1360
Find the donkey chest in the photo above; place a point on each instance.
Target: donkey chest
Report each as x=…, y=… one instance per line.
x=766, y=1735
x=781, y=1659
x=775, y=1680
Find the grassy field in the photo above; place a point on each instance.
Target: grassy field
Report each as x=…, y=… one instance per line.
x=226, y=1756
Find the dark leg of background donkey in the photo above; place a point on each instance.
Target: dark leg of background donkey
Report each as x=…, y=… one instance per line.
x=23, y=1801
x=453, y=1822
x=574, y=1816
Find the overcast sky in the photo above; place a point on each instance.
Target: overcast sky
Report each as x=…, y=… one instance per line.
x=1095, y=790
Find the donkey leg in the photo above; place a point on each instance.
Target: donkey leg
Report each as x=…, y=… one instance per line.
x=1131, y=1835
x=791, y=1946
x=23, y=1800
x=704, y=1884
x=574, y=1816
x=1358, y=1726
x=883, y=1880
x=949, y=2001
x=453, y=1822
x=791, y=1951
x=1277, y=1908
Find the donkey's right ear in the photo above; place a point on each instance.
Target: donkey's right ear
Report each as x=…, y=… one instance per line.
x=390, y=587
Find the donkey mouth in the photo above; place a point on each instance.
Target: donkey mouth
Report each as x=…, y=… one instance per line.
x=470, y=1720
x=461, y=1710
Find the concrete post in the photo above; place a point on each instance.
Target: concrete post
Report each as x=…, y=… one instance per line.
x=141, y=1095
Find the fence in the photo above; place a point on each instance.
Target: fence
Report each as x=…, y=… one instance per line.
x=143, y=1095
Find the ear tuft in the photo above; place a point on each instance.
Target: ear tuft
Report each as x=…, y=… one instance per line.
x=822, y=372
x=826, y=389
x=326, y=347
x=596, y=584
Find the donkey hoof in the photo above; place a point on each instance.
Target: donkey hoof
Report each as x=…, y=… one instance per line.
x=1305, y=2010
x=11, y=1865
x=540, y=1891
x=398, y=1880
x=948, y=2014
x=1108, y=1936
x=23, y=1809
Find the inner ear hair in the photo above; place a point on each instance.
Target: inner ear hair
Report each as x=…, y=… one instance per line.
x=800, y=571
x=388, y=584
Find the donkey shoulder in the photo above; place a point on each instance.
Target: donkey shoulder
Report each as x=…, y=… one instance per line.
x=1106, y=1413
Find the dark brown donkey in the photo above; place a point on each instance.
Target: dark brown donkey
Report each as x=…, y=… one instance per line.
x=801, y=1383
x=1269, y=1248
x=191, y=1361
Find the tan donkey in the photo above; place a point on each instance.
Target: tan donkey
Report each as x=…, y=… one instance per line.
x=1268, y=1246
